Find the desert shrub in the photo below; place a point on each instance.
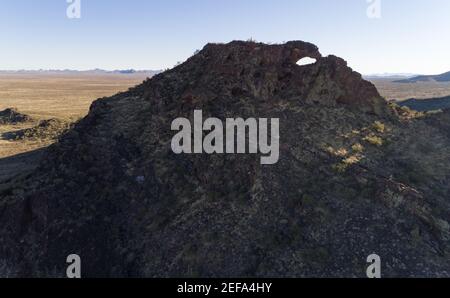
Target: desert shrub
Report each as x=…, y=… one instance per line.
x=340, y=167
x=358, y=148
x=351, y=160
x=341, y=152
x=379, y=126
x=374, y=140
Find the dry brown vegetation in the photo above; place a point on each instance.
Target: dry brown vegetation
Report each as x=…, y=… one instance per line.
x=68, y=97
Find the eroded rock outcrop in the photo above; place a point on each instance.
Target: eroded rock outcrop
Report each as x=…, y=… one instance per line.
x=268, y=73
x=12, y=116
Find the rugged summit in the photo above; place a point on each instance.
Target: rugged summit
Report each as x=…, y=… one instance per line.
x=354, y=178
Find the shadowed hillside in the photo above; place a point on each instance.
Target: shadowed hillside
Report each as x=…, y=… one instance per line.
x=356, y=176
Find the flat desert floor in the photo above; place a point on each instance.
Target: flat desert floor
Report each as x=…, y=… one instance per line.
x=60, y=96
x=401, y=91
x=66, y=97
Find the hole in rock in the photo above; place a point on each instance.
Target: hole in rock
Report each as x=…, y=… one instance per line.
x=306, y=61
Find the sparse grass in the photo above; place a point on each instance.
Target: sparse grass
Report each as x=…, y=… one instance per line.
x=379, y=127
x=340, y=167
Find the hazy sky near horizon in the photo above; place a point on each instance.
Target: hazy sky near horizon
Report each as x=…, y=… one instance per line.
x=412, y=36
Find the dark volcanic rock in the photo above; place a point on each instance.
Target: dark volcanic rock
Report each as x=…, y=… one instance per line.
x=353, y=179
x=12, y=116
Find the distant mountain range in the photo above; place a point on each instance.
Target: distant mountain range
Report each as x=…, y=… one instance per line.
x=445, y=77
x=391, y=76
x=71, y=71
x=353, y=177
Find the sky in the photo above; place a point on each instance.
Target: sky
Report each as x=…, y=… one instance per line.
x=410, y=36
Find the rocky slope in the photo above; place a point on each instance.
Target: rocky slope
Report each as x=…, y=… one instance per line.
x=355, y=177
x=49, y=129
x=12, y=116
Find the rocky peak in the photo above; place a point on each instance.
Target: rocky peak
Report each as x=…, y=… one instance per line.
x=260, y=54
x=350, y=180
x=261, y=72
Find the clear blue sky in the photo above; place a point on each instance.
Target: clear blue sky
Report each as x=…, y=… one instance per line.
x=412, y=35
